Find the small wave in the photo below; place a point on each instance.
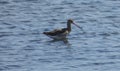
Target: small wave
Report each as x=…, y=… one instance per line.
x=25, y=1
x=45, y=60
x=97, y=63
x=4, y=2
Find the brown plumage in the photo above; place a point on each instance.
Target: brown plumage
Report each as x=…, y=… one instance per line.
x=55, y=32
x=61, y=33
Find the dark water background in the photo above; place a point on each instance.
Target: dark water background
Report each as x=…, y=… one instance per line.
x=24, y=48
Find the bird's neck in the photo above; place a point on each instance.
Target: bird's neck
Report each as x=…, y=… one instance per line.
x=68, y=26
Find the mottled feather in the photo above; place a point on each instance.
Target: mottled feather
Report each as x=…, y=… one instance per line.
x=56, y=32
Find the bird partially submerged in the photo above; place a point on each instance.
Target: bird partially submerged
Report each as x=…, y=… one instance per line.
x=61, y=33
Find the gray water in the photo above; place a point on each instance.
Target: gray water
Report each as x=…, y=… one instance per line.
x=23, y=47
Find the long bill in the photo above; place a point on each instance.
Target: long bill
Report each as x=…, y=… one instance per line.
x=79, y=27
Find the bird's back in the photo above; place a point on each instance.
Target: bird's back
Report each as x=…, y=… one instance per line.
x=56, y=32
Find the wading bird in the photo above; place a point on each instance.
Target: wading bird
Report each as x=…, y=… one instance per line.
x=61, y=33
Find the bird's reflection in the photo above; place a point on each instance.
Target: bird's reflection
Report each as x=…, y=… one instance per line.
x=65, y=41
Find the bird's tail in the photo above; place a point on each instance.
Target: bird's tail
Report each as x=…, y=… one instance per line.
x=45, y=33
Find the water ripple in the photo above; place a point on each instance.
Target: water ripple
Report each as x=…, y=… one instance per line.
x=23, y=47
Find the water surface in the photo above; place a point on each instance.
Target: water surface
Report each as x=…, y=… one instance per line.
x=23, y=47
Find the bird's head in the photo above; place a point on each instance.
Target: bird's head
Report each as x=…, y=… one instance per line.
x=70, y=21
